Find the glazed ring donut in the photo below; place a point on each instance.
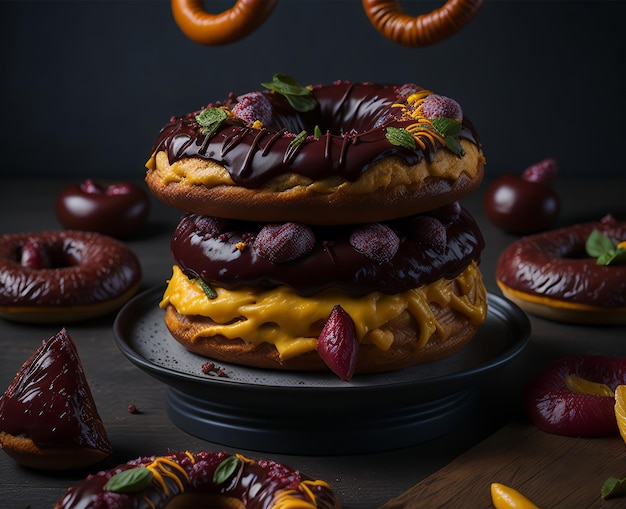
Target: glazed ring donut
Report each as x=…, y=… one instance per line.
x=361, y=152
x=550, y=275
x=197, y=479
x=64, y=276
x=216, y=29
x=389, y=19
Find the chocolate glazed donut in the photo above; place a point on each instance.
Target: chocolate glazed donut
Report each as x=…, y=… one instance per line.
x=217, y=478
x=222, y=251
x=334, y=163
x=549, y=274
x=61, y=276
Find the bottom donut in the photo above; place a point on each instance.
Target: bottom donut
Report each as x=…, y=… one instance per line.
x=282, y=329
x=197, y=480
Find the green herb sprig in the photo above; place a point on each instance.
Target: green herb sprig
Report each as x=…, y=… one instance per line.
x=130, y=481
x=210, y=120
x=298, y=96
x=602, y=248
x=225, y=469
x=613, y=487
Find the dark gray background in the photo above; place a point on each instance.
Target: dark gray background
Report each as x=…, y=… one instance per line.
x=86, y=85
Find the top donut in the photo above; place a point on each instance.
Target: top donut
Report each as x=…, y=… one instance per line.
x=334, y=154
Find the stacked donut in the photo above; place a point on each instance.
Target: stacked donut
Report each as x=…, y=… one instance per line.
x=322, y=227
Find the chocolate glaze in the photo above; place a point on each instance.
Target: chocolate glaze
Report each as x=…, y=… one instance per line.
x=254, y=483
x=332, y=262
x=554, y=264
x=50, y=401
x=84, y=268
x=353, y=118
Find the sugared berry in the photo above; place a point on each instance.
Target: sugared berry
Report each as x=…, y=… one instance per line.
x=376, y=241
x=283, y=242
x=210, y=226
x=544, y=171
x=338, y=344
x=253, y=106
x=430, y=233
x=440, y=106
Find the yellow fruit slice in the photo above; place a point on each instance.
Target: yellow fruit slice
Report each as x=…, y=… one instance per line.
x=504, y=497
x=583, y=386
x=620, y=409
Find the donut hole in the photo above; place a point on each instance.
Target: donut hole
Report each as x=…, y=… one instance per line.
x=337, y=116
x=51, y=255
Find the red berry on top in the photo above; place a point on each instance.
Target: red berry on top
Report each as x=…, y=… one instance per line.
x=544, y=171
x=253, y=106
x=284, y=242
x=376, y=241
x=440, y=106
x=430, y=233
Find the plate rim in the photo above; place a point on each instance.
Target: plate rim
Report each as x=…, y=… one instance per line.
x=497, y=307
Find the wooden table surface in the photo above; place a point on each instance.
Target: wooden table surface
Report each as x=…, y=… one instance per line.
x=361, y=480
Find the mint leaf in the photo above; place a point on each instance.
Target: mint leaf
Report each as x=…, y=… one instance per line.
x=613, y=487
x=225, y=469
x=400, y=137
x=129, y=481
x=598, y=244
x=298, y=96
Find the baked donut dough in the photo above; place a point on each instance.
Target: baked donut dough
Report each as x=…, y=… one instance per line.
x=364, y=153
x=202, y=479
x=64, y=276
x=414, y=301
x=550, y=275
x=323, y=227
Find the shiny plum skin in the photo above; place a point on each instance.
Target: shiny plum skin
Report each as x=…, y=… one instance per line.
x=554, y=408
x=118, y=210
x=519, y=206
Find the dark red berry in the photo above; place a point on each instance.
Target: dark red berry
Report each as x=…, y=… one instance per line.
x=440, y=106
x=338, y=345
x=253, y=106
x=430, y=233
x=376, y=241
x=284, y=242
x=544, y=171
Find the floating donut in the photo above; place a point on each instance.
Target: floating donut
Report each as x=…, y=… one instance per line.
x=412, y=288
x=389, y=19
x=63, y=276
x=48, y=418
x=550, y=274
x=574, y=395
x=195, y=480
x=216, y=29
x=342, y=153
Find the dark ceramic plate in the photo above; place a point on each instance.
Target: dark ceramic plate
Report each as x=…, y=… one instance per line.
x=316, y=413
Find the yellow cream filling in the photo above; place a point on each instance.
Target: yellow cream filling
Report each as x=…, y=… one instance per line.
x=292, y=323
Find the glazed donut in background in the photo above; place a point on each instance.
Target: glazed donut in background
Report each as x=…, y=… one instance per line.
x=323, y=227
x=346, y=153
x=389, y=19
x=216, y=29
x=64, y=276
x=415, y=296
x=48, y=417
x=551, y=275
x=202, y=479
